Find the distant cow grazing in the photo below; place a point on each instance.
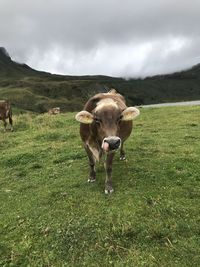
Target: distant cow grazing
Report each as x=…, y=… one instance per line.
x=106, y=122
x=6, y=113
x=54, y=111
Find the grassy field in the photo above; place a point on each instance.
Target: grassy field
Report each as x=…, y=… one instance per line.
x=51, y=216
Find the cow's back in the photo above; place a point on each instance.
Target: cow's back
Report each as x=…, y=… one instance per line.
x=92, y=102
x=3, y=104
x=4, y=107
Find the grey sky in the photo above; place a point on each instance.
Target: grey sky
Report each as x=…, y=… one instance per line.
x=113, y=37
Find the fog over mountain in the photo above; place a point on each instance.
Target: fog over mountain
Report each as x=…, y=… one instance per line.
x=111, y=37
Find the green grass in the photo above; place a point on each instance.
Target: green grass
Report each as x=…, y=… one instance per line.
x=51, y=216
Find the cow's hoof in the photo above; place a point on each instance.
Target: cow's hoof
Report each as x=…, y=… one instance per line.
x=91, y=180
x=122, y=157
x=108, y=189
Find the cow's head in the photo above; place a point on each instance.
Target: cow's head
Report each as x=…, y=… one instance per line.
x=106, y=121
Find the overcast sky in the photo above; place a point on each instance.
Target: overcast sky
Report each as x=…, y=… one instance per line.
x=113, y=37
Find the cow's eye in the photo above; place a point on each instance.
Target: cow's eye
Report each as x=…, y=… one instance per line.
x=119, y=119
x=97, y=121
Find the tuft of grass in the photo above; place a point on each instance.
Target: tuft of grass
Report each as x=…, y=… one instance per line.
x=50, y=216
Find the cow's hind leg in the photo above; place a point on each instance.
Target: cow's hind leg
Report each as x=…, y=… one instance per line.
x=92, y=176
x=122, y=153
x=108, y=168
x=11, y=123
x=5, y=124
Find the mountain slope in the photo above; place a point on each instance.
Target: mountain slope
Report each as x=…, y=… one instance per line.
x=33, y=90
x=11, y=68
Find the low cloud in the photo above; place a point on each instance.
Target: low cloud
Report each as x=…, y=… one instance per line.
x=110, y=37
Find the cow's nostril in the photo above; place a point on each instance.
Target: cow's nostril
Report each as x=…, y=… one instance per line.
x=111, y=143
x=114, y=143
x=118, y=143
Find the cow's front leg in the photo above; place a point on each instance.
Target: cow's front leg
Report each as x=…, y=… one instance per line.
x=122, y=153
x=108, y=168
x=92, y=176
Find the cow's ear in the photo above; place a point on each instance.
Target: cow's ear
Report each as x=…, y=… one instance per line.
x=84, y=117
x=130, y=113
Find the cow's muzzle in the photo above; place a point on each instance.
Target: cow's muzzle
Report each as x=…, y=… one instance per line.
x=111, y=143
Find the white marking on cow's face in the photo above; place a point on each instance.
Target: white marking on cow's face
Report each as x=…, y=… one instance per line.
x=106, y=102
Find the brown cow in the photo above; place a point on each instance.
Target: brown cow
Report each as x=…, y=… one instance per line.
x=106, y=122
x=6, y=113
x=54, y=111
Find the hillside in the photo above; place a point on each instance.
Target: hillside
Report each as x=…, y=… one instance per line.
x=51, y=216
x=9, y=68
x=37, y=91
